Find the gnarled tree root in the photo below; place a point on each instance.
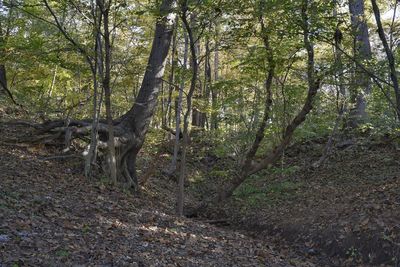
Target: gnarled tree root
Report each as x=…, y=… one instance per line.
x=126, y=145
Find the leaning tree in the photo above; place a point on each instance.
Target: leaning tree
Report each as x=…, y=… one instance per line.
x=131, y=128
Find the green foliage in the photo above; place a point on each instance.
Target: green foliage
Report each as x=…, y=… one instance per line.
x=284, y=188
x=284, y=171
x=52, y=78
x=62, y=253
x=353, y=253
x=85, y=228
x=219, y=174
x=257, y=191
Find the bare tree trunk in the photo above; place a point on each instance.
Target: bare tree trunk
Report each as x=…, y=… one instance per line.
x=362, y=51
x=214, y=92
x=105, y=10
x=134, y=124
x=193, y=52
x=389, y=55
x=4, y=90
x=340, y=95
x=3, y=81
x=207, y=81
x=392, y=25
x=338, y=56
x=172, y=78
x=91, y=154
x=197, y=94
x=3, y=76
x=172, y=167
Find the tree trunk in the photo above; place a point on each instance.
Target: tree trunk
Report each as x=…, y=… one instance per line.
x=214, y=92
x=130, y=129
x=340, y=93
x=248, y=167
x=207, y=81
x=174, y=63
x=193, y=52
x=91, y=155
x=389, y=55
x=3, y=79
x=4, y=90
x=196, y=113
x=105, y=10
x=247, y=164
x=362, y=51
x=338, y=56
x=172, y=167
x=135, y=122
x=3, y=76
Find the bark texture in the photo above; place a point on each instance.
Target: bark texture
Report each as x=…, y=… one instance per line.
x=135, y=122
x=362, y=51
x=129, y=130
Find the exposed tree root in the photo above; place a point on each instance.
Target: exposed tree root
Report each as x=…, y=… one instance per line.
x=60, y=133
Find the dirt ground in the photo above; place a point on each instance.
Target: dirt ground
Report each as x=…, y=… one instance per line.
x=346, y=212
x=343, y=213
x=51, y=215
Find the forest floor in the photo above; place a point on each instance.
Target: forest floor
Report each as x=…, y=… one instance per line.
x=344, y=213
x=51, y=215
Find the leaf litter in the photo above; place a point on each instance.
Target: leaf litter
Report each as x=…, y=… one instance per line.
x=51, y=215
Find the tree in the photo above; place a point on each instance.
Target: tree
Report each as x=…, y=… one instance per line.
x=249, y=166
x=104, y=7
x=250, y=87
x=178, y=110
x=361, y=86
x=198, y=118
x=214, y=93
x=131, y=128
x=5, y=19
x=194, y=68
x=389, y=55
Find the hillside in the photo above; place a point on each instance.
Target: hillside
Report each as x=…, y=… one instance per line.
x=343, y=213
x=51, y=215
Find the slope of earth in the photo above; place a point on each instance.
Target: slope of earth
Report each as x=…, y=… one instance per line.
x=51, y=215
x=345, y=212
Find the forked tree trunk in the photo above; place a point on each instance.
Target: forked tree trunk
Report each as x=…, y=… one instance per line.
x=247, y=165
